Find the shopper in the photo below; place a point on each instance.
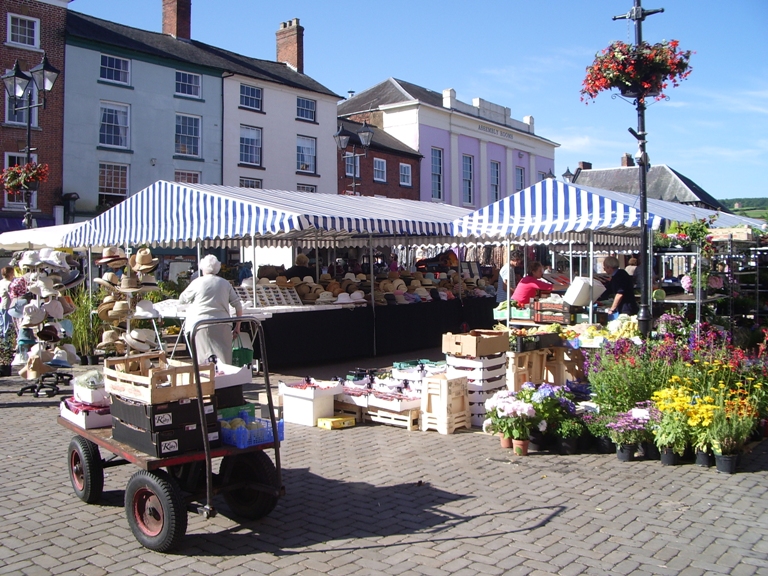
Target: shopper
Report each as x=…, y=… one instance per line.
x=621, y=287
x=508, y=273
x=300, y=268
x=531, y=284
x=210, y=296
x=8, y=274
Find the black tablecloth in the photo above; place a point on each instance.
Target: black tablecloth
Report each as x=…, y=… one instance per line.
x=324, y=336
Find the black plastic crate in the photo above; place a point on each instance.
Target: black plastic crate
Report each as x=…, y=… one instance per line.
x=156, y=417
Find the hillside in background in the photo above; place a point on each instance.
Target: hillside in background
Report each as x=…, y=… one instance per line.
x=751, y=207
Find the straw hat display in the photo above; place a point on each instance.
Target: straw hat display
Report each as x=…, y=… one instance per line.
x=325, y=297
x=143, y=261
x=113, y=257
x=119, y=311
x=110, y=340
x=129, y=284
x=109, y=280
x=138, y=340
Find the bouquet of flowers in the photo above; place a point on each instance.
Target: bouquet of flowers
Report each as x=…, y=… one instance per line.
x=509, y=416
x=14, y=178
x=637, y=71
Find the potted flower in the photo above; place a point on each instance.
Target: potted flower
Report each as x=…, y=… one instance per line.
x=637, y=71
x=699, y=421
x=511, y=418
x=551, y=403
x=15, y=178
x=627, y=430
x=569, y=431
x=731, y=426
x=672, y=431
x=597, y=427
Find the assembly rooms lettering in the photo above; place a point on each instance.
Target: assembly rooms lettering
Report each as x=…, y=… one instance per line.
x=495, y=132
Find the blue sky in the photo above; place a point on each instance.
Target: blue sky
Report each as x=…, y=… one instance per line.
x=528, y=55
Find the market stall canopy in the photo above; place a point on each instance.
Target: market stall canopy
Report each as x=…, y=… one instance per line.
x=559, y=212
x=46, y=237
x=173, y=214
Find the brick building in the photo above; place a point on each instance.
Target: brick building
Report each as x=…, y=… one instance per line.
x=31, y=28
x=390, y=168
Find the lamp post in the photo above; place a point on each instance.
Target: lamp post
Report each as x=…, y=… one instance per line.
x=567, y=176
x=644, y=315
x=16, y=83
x=365, y=134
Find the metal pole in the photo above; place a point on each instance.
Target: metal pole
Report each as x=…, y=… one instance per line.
x=27, y=191
x=373, y=280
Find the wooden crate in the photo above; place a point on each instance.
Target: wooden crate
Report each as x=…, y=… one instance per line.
x=347, y=409
x=444, y=405
x=151, y=378
x=525, y=367
x=408, y=419
x=446, y=424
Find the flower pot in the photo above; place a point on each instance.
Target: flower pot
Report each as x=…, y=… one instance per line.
x=504, y=441
x=569, y=446
x=651, y=451
x=626, y=452
x=726, y=463
x=91, y=360
x=537, y=441
x=605, y=445
x=669, y=457
x=520, y=447
x=704, y=459
x=5, y=370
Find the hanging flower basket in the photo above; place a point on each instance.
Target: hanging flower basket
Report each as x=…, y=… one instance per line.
x=15, y=178
x=637, y=71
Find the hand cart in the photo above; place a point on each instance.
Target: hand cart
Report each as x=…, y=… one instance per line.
x=157, y=500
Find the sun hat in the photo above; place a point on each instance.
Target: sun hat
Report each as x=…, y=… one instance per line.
x=325, y=277
x=45, y=256
x=119, y=311
x=61, y=260
x=54, y=309
x=49, y=333
x=129, y=284
x=422, y=293
x=263, y=282
x=30, y=259
x=112, y=255
x=72, y=356
x=399, y=284
x=34, y=368
x=325, y=297
x=16, y=309
x=108, y=338
x=33, y=315
x=39, y=350
x=358, y=296
x=60, y=359
x=43, y=287
x=351, y=276
x=303, y=290
x=145, y=309
x=69, y=280
x=344, y=298
x=136, y=340
x=400, y=297
x=148, y=283
x=109, y=280
x=282, y=282
x=143, y=261
x=105, y=307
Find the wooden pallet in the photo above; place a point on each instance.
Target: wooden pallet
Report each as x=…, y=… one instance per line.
x=408, y=419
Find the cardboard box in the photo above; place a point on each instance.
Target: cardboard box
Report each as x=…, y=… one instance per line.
x=306, y=411
x=578, y=292
x=230, y=396
x=87, y=419
x=739, y=233
x=475, y=344
x=336, y=422
x=155, y=417
x=167, y=442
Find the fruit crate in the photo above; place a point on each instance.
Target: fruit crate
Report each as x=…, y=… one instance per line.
x=554, y=318
x=559, y=307
x=244, y=437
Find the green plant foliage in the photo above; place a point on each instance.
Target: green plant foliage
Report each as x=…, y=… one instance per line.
x=87, y=327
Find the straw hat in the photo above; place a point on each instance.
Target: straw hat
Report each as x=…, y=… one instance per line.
x=399, y=284
x=282, y=282
x=358, y=296
x=325, y=298
x=119, y=311
x=422, y=293
x=351, y=276
x=129, y=284
x=16, y=309
x=413, y=285
x=362, y=276
x=35, y=368
x=145, y=309
x=418, y=275
x=109, y=280
x=137, y=340
x=427, y=281
x=400, y=297
x=392, y=275
x=308, y=279
x=105, y=307
x=148, y=283
x=108, y=339
x=112, y=257
x=303, y=289
x=143, y=261
x=263, y=282
x=325, y=278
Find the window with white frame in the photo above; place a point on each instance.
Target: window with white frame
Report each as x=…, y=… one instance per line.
x=379, y=170
x=15, y=115
x=250, y=182
x=114, y=126
x=519, y=178
x=306, y=188
x=187, y=135
x=250, y=145
x=495, y=180
x=250, y=97
x=113, y=183
x=186, y=177
x=23, y=31
x=306, y=154
x=352, y=166
x=114, y=69
x=467, y=179
x=16, y=199
x=542, y=176
x=437, y=173
x=305, y=109
x=187, y=84
x=405, y=175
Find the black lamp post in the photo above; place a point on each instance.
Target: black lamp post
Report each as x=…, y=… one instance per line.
x=644, y=315
x=342, y=139
x=16, y=83
x=567, y=176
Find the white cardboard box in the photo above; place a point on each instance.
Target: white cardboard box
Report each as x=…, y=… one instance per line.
x=477, y=374
x=97, y=397
x=578, y=292
x=231, y=375
x=323, y=388
x=306, y=411
x=87, y=419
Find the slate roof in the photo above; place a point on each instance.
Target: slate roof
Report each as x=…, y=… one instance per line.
x=189, y=51
x=663, y=183
x=380, y=141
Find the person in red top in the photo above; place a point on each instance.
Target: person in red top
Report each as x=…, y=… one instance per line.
x=531, y=284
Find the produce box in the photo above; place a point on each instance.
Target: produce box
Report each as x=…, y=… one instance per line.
x=259, y=432
x=393, y=402
x=336, y=422
x=312, y=389
x=86, y=416
x=553, y=318
x=560, y=307
x=155, y=417
x=519, y=313
x=166, y=442
x=578, y=292
x=244, y=411
x=743, y=234
x=476, y=343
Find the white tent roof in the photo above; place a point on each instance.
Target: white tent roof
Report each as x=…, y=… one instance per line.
x=36, y=238
x=173, y=214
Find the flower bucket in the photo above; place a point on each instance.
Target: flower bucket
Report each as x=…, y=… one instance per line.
x=569, y=446
x=704, y=459
x=669, y=457
x=651, y=451
x=726, y=463
x=625, y=452
x=520, y=447
x=504, y=441
x=605, y=445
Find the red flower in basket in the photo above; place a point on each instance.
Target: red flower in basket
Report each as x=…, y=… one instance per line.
x=15, y=178
x=637, y=71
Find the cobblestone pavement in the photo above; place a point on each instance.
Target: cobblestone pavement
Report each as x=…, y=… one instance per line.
x=380, y=500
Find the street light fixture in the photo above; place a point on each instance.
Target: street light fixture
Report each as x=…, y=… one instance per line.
x=17, y=83
x=365, y=134
x=567, y=176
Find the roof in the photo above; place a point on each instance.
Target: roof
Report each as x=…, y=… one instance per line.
x=160, y=45
x=663, y=183
x=381, y=140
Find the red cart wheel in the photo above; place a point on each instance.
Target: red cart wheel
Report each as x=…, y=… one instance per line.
x=254, y=467
x=155, y=510
x=85, y=470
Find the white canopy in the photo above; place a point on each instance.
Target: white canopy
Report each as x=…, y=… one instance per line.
x=36, y=238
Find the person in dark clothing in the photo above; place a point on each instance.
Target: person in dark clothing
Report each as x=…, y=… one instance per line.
x=621, y=287
x=300, y=268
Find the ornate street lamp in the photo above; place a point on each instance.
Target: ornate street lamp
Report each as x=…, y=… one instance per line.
x=365, y=134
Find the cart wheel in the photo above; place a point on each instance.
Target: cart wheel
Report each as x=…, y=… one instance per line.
x=85, y=469
x=254, y=467
x=155, y=510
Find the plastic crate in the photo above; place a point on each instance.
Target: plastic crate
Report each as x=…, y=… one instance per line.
x=245, y=411
x=243, y=437
x=526, y=343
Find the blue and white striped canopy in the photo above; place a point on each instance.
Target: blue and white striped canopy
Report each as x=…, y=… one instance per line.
x=173, y=214
x=553, y=207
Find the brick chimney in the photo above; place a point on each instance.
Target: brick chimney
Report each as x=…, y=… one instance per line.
x=627, y=160
x=177, y=16
x=585, y=165
x=290, y=44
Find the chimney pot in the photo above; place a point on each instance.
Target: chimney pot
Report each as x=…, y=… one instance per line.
x=585, y=165
x=290, y=44
x=177, y=16
x=627, y=160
